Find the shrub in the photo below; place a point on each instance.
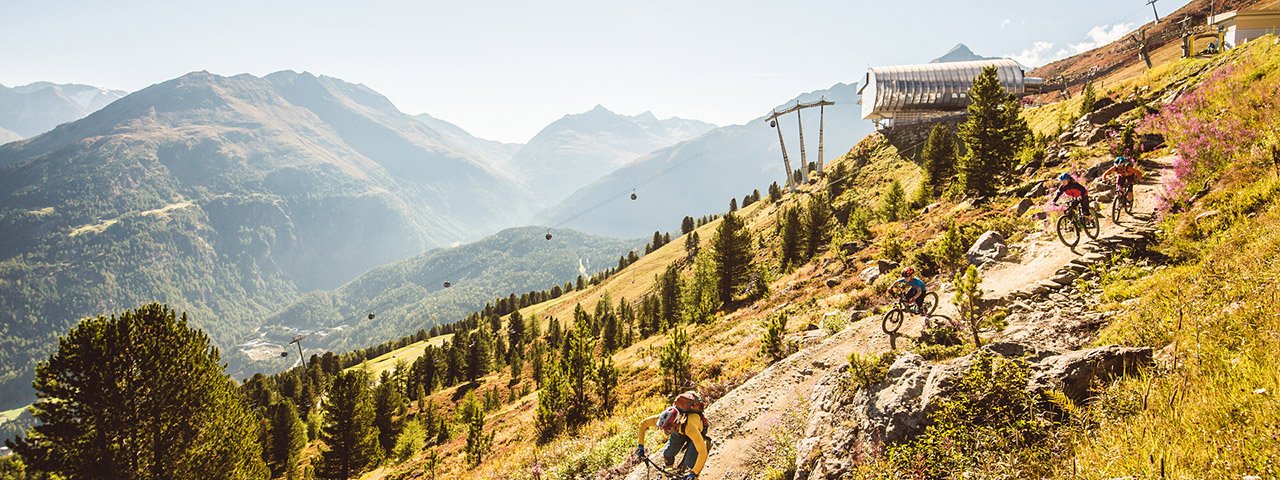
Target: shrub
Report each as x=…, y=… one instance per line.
x=675, y=363
x=772, y=339
x=868, y=369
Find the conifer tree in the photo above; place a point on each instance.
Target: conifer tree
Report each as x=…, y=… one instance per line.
x=938, y=158
x=388, y=408
x=817, y=222
x=348, y=433
x=606, y=377
x=701, y=298
x=515, y=334
x=792, y=231
x=552, y=400
x=686, y=225
x=733, y=205
x=478, y=354
x=140, y=395
x=893, y=204
x=478, y=442
x=577, y=365
x=731, y=249
x=993, y=133
x=674, y=362
x=288, y=436
x=775, y=192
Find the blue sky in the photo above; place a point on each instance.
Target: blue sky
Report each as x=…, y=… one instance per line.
x=504, y=69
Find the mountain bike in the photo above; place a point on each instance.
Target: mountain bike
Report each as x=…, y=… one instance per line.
x=650, y=465
x=1072, y=223
x=1121, y=204
x=892, y=320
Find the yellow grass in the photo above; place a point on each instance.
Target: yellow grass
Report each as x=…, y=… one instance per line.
x=406, y=354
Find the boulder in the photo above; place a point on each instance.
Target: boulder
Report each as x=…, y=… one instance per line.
x=1037, y=190
x=1075, y=372
x=1022, y=207
x=850, y=248
x=989, y=247
x=870, y=274
x=843, y=427
x=834, y=281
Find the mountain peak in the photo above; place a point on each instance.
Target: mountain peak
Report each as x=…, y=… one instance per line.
x=958, y=53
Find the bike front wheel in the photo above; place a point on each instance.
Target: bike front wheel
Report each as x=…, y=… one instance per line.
x=1068, y=232
x=892, y=321
x=930, y=304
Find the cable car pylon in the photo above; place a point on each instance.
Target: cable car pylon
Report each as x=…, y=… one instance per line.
x=786, y=162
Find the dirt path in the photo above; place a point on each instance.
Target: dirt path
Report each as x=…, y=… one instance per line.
x=742, y=419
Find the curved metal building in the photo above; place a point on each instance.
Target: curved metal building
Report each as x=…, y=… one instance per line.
x=913, y=92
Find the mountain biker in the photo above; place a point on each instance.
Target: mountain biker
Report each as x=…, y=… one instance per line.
x=1126, y=176
x=1078, y=193
x=916, y=288
x=686, y=429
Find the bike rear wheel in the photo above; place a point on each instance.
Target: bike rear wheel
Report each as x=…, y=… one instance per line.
x=1091, y=225
x=892, y=321
x=1068, y=232
x=1117, y=207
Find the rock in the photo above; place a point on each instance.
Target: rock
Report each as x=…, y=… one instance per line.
x=932, y=206
x=870, y=274
x=1075, y=372
x=835, y=281
x=886, y=265
x=1103, y=197
x=1022, y=207
x=1104, y=114
x=1040, y=215
x=850, y=248
x=1150, y=141
x=989, y=247
x=1038, y=190
x=842, y=427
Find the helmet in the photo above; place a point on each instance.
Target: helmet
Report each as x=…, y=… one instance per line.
x=667, y=419
x=1064, y=177
x=907, y=272
x=1121, y=161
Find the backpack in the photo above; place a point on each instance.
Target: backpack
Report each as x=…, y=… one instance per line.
x=690, y=402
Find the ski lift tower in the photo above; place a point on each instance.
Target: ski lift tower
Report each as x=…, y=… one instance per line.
x=804, y=160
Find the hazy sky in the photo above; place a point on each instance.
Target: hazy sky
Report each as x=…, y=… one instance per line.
x=503, y=70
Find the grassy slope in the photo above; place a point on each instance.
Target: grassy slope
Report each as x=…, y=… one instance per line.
x=723, y=357
x=1210, y=409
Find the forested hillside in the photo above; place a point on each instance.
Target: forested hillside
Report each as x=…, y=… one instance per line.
x=225, y=197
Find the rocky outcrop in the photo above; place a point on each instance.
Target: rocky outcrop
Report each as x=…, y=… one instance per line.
x=870, y=274
x=845, y=427
x=988, y=248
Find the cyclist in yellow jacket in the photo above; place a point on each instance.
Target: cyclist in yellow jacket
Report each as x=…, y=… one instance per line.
x=686, y=429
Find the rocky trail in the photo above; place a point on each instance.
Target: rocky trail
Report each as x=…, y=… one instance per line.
x=1036, y=283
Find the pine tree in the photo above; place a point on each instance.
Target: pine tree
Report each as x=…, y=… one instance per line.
x=817, y=222
x=893, y=204
x=993, y=133
x=515, y=334
x=1089, y=96
x=478, y=354
x=348, y=433
x=771, y=340
x=674, y=362
x=686, y=225
x=775, y=192
x=939, y=158
x=478, y=442
x=606, y=376
x=577, y=364
x=791, y=247
x=701, y=298
x=731, y=249
x=140, y=395
x=288, y=436
x=552, y=401
x=733, y=205
x=388, y=408
x=968, y=300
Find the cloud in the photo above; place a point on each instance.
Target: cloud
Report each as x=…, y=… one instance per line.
x=1043, y=52
x=1004, y=23
x=1038, y=54
x=1102, y=35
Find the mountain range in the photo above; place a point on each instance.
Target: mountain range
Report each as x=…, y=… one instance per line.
x=577, y=149
x=225, y=197
x=29, y=110
x=699, y=176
